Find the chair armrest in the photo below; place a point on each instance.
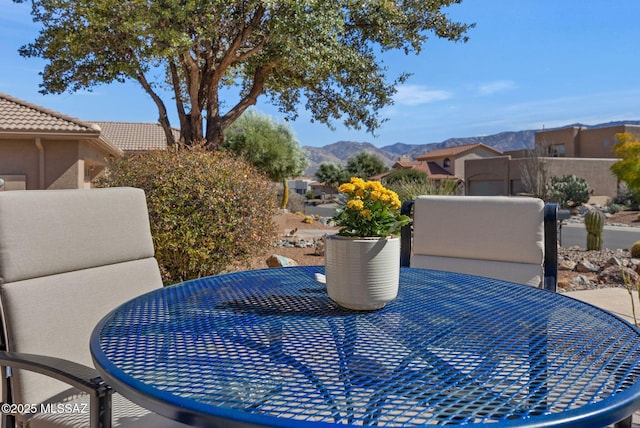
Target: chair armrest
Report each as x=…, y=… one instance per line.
x=550, y=246
x=82, y=377
x=77, y=375
x=405, y=235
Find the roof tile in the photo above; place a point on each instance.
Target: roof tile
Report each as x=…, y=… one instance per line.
x=132, y=136
x=21, y=116
x=454, y=151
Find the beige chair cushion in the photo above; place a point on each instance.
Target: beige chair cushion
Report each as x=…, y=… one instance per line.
x=50, y=326
x=471, y=230
x=70, y=230
x=520, y=273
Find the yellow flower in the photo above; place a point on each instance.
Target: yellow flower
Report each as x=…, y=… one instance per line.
x=367, y=200
x=355, y=204
x=346, y=188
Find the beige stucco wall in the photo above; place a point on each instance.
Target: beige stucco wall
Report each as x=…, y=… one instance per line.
x=18, y=157
x=51, y=163
x=596, y=172
x=507, y=171
x=583, y=142
x=493, y=172
x=555, y=137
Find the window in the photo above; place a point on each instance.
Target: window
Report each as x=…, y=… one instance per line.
x=446, y=163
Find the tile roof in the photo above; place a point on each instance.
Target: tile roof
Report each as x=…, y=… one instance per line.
x=132, y=136
x=455, y=150
x=432, y=169
x=17, y=116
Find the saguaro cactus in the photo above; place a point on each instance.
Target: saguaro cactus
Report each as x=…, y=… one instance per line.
x=594, y=222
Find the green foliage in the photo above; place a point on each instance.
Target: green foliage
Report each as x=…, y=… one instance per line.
x=269, y=146
x=332, y=174
x=365, y=165
x=594, y=223
x=409, y=190
x=627, y=148
x=370, y=210
x=406, y=174
x=319, y=53
x=208, y=210
x=569, y=191
x=635, y=250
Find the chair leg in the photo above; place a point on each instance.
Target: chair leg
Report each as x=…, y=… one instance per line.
x=101, y=408
x=625, y=423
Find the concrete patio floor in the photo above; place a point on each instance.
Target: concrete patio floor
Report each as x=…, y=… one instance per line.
x=616, y=301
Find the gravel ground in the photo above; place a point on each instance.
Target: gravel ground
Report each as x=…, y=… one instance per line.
x=567, y=280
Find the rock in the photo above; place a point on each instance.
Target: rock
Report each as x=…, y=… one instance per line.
x=613, y=275
x=586, y=266
x=280, y=261
x=319, y=247
x=566, y=264
x=614, y=261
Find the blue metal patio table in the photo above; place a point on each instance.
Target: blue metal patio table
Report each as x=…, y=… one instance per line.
x=269, y=348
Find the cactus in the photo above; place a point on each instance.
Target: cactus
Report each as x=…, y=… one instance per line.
x=594, y=222
x=635, y=250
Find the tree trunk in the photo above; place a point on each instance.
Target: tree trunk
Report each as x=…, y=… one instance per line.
x=285, y=193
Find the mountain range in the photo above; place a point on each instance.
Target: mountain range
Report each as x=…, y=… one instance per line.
x=340, y=151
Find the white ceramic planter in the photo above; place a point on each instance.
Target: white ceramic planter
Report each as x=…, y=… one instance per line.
x=362, y=273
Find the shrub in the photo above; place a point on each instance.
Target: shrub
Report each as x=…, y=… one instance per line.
x=295, y=202
x=402, y=175
x=408, y=190
x=615, y=208
x=208, y=210
x=569, y=191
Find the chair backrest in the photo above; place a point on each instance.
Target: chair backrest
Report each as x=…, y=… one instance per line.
x=494, y=236
x=67, y=257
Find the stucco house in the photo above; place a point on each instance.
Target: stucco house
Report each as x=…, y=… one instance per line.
x=44, y=149
x=452, y=159
x=581, y=151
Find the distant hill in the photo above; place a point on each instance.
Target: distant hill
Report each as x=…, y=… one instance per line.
x=504, y=141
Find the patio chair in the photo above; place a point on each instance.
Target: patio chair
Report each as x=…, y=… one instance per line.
x=67, y=257
x=508, y=238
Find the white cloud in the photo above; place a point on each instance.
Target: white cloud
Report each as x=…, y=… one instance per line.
x=497, y=86
x=413, y=95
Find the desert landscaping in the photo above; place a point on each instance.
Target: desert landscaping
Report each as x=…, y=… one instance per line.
x=589, y=269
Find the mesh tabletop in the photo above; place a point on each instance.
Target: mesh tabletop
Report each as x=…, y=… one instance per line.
x=268, y=347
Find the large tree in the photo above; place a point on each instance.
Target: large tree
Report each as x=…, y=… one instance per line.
x=270, y=146
x=365, y=164
x=219, y=56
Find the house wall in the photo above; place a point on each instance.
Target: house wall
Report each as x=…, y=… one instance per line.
x=501, y=175
x=596, y=172
x=46, y=163
x=582, y=142
x=563, y=140
x=19, y=164
x=487, y=176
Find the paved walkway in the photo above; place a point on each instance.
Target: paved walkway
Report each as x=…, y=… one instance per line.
x=617, y=301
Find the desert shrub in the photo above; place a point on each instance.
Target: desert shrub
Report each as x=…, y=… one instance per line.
x=408, y=190
x=295, y=202
x=408, y=174
x=208, y=210
x=615, y=208
x=569, y=191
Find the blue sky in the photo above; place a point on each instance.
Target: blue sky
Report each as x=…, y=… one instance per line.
x=528, y=64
